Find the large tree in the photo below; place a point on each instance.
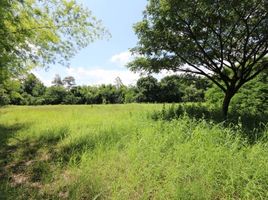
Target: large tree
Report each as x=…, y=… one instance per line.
x=223, y=40
x=43, y=32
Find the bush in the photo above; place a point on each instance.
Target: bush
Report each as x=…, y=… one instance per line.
x=55, y=95
x=4, y=98
x=197, y=111
x=252, y=97
x=71, y=99
x=251, y=124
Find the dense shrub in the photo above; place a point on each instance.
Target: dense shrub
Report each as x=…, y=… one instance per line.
x=252, y=124
x=193, y=110
x=252, y=97
x=4, y=97
x=55, y=95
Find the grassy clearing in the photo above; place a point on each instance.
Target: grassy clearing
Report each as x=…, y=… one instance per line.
x=118, y=152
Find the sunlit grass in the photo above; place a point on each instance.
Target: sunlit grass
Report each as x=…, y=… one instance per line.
x=119, y=152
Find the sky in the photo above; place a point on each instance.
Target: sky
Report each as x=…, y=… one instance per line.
x=104, y=60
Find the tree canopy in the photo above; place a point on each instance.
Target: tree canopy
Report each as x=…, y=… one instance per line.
x=43, y=32
x=225, y=41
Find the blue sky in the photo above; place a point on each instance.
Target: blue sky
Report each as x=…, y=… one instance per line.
x=103, y=61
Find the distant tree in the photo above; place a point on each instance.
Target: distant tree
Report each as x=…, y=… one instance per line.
x=192, y=94
x=110, y=94
x=130, y=94
x=225, y=41
x=57, y=81
x=71, y=99
x=121, y=90
x=183, y=87
x=88, y=94
x=76, y=92
x=55, y=95
x=118, y=83
x=193, y=87
x=33, y=86
x=148, y=89
x=69, y=81
x=171, y=89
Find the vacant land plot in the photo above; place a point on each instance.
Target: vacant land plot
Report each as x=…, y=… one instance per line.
x=119, y=152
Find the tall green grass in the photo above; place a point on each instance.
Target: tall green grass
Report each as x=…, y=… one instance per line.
x=119, y=152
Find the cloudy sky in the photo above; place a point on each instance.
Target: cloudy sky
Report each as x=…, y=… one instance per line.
x=103, y=61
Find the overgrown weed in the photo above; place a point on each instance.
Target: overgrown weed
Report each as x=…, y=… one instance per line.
x=103, y=152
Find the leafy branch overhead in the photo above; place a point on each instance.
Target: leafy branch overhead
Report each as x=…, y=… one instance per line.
x=43, y=32
x=226, y=41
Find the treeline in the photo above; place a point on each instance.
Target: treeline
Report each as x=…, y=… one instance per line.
x=29, y=90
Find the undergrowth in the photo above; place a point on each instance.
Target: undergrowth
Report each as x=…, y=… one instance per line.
x=253, y=125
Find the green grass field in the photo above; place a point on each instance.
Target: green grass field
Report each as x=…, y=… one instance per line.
x=119, y=152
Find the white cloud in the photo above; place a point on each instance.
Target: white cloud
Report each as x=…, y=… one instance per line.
x=122, y=58
x=93, y=76
x=101, y=76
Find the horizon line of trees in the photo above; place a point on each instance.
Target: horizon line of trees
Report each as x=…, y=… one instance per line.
x=29, y=90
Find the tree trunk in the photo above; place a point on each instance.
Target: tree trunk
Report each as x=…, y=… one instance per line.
x=226, y=102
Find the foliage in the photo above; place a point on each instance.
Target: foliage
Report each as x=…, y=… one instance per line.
x=225, y=41
x=29, y=90
x=182, y=88
x=148, y=89
x=251, y=123
x=171, y=90
x=130, y=94
x=33, y=86
x=69, y=81
x=252, y=98
x=4, y=97
x=110, y=94
x=70, y=99
x=45, y=32
x=57, y=81
x=12, y=88
x=89, y=95
x=55, y=95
